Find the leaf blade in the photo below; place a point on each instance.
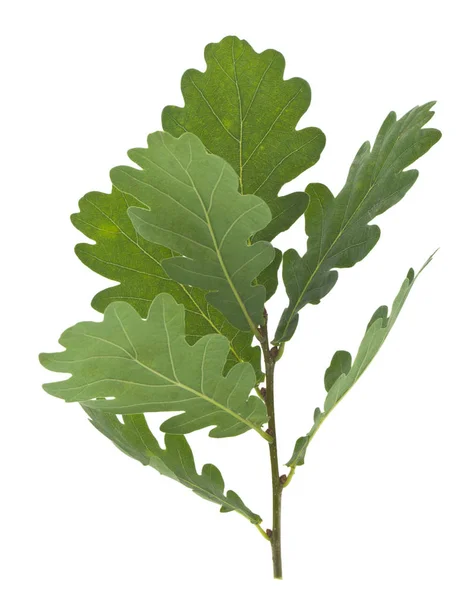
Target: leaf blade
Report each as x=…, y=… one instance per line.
x=339, y=234
x=175, y=460
x=197, y=212
x=343, y=373
x=251, y=123
x=127, y=366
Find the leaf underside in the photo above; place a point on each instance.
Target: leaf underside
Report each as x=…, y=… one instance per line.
x=339, y=234
x=195, y=209
x=244, y=111
x=176, y=460
x=122, y=255
x=127, y=365
x=343, y=374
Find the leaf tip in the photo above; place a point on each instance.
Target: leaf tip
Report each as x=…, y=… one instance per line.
x=43, y=359
x=429, y=105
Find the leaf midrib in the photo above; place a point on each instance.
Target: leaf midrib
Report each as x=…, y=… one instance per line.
x=240, y=141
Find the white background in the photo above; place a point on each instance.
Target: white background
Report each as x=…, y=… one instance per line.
x=384, y=507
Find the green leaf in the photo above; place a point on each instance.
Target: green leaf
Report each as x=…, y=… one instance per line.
x=300, y=448
x=176, y=460
x=243, y=110
x=339, y=234
x=341, y=363
x=269, y=277
x=342, y=374
x=122, y=255
x=126, y=365
x=196, y=211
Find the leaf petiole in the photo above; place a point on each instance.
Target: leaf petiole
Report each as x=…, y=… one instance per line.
x=289, y=476
x=265, y=435
x=262, y=532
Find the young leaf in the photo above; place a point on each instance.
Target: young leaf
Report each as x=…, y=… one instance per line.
x=126, y=365
x=122, y=255
x=243, y=110
x=176, y=460
x=339, y=234
x=342, y=373
x=196, y=211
